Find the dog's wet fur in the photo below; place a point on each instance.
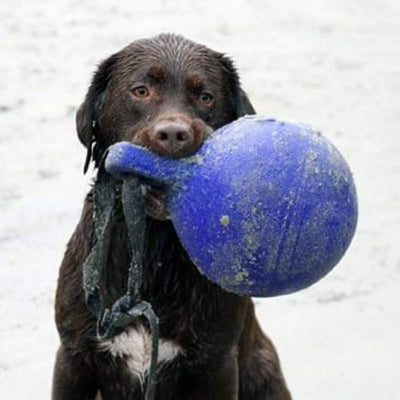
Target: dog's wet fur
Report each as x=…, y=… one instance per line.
x=166, y=93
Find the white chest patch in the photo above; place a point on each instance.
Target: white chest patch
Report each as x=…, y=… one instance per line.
x=135, y=345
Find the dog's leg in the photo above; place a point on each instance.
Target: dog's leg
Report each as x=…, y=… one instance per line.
x=73, y=378
x=212, y=382
x=261, y=378
x=260, y=373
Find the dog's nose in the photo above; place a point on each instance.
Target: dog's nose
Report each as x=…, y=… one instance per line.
x=172, y=137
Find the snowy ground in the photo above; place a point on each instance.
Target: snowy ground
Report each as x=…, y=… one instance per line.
x=334, y=64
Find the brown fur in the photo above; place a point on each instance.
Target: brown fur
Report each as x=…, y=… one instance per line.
x=226, y=355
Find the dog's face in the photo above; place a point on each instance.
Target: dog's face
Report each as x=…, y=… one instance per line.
x=165, y=93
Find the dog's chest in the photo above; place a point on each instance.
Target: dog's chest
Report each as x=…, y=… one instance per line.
x=134, y=345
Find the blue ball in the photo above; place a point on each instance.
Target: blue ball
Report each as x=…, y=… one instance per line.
x=264, y=208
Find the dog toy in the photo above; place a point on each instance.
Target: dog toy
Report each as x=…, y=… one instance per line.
x=264, y=207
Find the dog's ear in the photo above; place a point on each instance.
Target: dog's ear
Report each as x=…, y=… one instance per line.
x=87, y=114
x=240, y=102
x=244, y=107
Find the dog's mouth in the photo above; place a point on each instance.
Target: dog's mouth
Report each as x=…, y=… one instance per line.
x=155, y=201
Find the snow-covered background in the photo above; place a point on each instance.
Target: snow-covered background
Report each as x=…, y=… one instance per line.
x=334, y=64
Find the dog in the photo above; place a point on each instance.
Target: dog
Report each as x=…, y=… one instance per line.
x=167, y=94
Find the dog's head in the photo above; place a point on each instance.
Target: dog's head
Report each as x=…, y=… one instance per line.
x=166, y=93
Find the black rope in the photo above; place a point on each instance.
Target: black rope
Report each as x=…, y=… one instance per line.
x=130, y=306
x=104, y=204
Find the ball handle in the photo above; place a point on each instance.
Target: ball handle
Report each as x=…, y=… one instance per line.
x=125, y=158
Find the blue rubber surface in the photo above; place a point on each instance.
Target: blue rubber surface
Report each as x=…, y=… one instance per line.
x=264, y=207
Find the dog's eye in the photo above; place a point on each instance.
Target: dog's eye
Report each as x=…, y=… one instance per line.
x=206, y=98
x=141, y=92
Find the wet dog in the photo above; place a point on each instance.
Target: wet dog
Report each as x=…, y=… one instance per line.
x=168, y=94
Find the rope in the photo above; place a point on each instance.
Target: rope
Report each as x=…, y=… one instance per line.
x=130, y=306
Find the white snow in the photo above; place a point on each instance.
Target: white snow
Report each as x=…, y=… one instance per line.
x=334, y=64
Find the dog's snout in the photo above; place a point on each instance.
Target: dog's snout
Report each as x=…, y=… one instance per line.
x=172, y=137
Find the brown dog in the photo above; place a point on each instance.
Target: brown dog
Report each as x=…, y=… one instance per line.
x=166, y=93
